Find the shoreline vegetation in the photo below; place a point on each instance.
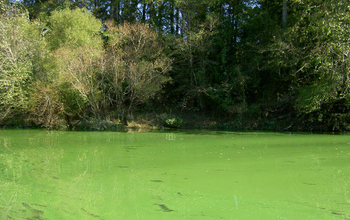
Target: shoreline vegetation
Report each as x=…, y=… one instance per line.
x=163, y=121
x=230, y=65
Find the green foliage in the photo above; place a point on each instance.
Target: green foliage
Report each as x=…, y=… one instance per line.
x=2, y=6
x=237, y=59
x=77, y=48
x=322, y=33
x=19, y=45
x=74, y=28
x=45, y=107
x=192, y=64
x=81, y=68
x=73, y=102
x=314, y=53
x=171, y=121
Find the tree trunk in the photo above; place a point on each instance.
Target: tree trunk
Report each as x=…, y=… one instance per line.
x=115, y=10
x=160, y=18
x=151, y=11
x=144, y=8
x=172, y=11
x=177, y=15
x=284, y=14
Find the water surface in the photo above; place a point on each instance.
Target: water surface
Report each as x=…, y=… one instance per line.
x=180, y=175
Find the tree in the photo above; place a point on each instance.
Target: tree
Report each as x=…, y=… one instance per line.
x=67, y=80
x=138, y=65
x=20, y=43
x=77, y=46
x=315, y=51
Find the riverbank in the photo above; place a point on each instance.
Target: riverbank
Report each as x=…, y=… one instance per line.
x=150, y=121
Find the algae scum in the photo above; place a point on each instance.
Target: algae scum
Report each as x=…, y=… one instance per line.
x=191, y=175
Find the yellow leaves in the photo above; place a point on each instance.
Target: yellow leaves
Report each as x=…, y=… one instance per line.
x=133, y=40
x=141, y=62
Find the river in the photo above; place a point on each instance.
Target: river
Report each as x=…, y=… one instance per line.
x=173, y=175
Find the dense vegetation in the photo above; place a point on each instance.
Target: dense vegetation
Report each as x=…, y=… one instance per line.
x=259, y=64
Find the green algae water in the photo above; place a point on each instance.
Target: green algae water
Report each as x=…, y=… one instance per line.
x=191, y=175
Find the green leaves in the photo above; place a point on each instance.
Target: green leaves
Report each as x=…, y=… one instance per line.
x=74, y=28
x=315, y=51
x=19, y=45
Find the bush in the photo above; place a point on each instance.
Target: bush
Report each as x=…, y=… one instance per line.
x=173, y=122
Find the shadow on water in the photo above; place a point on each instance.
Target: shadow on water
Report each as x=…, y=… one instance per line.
x=164, y=208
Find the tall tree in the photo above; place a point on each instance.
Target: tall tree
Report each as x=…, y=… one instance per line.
x=77, y=47
x=20, y=43
x=137, y=65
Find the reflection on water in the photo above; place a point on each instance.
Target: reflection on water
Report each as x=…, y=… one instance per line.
x=192, y=175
